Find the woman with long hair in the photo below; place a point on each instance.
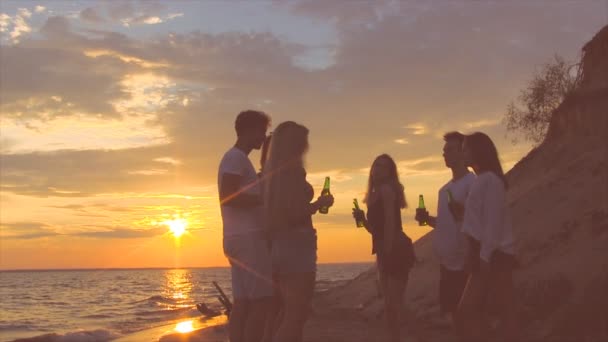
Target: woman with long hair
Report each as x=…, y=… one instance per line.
x=394, y=251
x=487, y=224
x=289, y=206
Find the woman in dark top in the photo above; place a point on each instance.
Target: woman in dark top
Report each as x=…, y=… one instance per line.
x=394, y=251
x=289, y=206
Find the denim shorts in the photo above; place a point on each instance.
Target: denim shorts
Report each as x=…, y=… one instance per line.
x=294, y=251
x=250, y=265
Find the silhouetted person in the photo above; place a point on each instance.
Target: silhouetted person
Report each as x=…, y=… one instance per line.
x=245, y=243
x=449, y=242
x=394, y=251
x=274, y=311
x=289, y=208
x=487, y=223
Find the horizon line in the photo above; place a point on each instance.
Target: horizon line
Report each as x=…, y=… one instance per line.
x=147, y=268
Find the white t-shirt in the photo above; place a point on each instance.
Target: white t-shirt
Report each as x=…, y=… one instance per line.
x=487, y=217
x=449, y=241
x=238, y=221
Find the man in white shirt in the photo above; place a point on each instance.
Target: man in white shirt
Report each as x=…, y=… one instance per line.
x=449, y=243
x=245, y=244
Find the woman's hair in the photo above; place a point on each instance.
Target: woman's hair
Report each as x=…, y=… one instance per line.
x=284, y=170
x=265, y=149
x=484, y=156
x=393, y=181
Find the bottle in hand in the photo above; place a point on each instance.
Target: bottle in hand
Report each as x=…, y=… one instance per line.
x=325, y=192
x=456, y=209
x=421, y=211
x=359, y=221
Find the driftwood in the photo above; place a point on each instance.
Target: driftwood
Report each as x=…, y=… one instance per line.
x=223, y=299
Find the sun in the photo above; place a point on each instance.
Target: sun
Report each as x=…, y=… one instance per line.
x=176, y=226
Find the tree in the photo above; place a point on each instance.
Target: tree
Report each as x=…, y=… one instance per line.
x=531, y=114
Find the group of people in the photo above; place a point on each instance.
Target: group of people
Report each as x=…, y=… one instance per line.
x=271, y=243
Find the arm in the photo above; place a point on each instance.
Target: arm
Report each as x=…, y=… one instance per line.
x=231, y=194
x=388, y=198
x=299, y=208
x=432, y=221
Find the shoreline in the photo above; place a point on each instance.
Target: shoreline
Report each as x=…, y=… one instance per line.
x=200, y=329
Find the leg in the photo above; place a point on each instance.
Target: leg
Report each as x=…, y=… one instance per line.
x=257, y=283
x=452, y=287
x=237, y=321
x=468, y=316
x=395, y=291
x=275, y=316
x=296, y=291
x=256, y=318
x=507, y=308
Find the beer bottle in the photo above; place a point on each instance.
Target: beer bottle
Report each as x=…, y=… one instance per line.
x=325, y=210
x=360, y=223
x=450, y=197
x=421, y=210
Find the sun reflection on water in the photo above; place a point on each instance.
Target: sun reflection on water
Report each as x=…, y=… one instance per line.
x=184, y=327
x=178, y=287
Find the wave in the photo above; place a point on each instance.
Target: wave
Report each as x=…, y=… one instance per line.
x=97, y=316
x=158, y=299
x=22, y=326
x=166, y=312
x=98, y=335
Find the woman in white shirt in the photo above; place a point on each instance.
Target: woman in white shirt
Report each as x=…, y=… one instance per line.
x=487, y=223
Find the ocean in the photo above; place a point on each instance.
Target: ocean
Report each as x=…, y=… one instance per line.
x=113, y=303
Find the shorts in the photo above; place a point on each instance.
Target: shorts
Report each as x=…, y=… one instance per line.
x=401, y=259
x=499, y=260
x=451, y=288
x=250, y=266
x=294, y=251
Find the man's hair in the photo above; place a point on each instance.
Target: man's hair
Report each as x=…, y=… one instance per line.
x=457, y=136
x=250, y=119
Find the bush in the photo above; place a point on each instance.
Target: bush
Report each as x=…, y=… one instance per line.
x=531, y=114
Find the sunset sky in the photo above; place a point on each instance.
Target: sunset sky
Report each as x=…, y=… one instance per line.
x=115, y=114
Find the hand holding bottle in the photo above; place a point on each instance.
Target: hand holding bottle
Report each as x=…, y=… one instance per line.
x=422, y=216
x=325, y=201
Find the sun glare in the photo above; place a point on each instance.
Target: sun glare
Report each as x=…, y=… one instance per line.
x=176, y=226
x=184, y=327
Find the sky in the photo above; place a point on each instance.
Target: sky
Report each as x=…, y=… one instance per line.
x=115, y=114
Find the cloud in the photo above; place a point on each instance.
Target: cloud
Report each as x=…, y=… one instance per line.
x=417, y=128
x=39, y=9
x=5, y=22
x=17, y=25
x=122, y=233
x=26, y=230
x=44, y=79
x=77, y=173
x=36, y=230
x=91, y=15
x=171, y=16
x=435, y=70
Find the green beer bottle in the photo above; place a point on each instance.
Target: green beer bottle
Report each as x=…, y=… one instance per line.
x=450, y=197
x=421, y=209
x=325, y=210
x=360, y=223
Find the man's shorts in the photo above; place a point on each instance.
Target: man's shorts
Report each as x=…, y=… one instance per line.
x=251, y=266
